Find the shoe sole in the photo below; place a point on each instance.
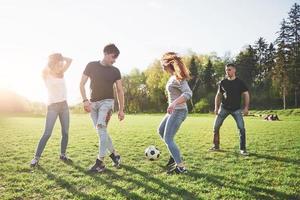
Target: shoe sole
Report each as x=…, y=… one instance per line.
x=34, y=165
x=101, y=170
x=184, y=172
x=174, y=172
x=170, y=165
x=96, y=170
x=171, y=169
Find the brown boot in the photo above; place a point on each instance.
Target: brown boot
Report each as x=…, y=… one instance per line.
x=216, y=142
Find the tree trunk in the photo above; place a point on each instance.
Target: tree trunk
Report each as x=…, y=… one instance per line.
x=296, y=85
x=284, y=101
x=296, y=98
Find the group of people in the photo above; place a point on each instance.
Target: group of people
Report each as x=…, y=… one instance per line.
x=104, y=78
x=271, y=117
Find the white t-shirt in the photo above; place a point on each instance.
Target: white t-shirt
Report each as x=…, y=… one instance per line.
x=57, y=90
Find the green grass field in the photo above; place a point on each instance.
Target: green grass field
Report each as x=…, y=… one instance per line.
x=270, y=172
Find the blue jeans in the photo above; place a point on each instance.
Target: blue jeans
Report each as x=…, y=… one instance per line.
x=55, y=110
x=100, y=114
x=237, y=116
x=168, y=129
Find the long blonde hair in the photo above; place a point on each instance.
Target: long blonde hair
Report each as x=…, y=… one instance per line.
x=53, y=60
x=172, y=60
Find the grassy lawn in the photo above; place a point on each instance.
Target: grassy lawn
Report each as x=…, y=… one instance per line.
x=270, y=172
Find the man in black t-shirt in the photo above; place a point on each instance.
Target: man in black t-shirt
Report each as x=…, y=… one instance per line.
x=103, y=78
x=228, y=102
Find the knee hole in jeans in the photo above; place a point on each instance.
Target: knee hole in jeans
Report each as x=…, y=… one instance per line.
x=100, y=126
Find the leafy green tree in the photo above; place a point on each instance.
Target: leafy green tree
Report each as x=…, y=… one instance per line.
x=208, y=77
x=194, y=82
x=283, y=34
x=270, y=59
x=293, y=30
x=202, y=106
x=295, y=77
x=246, y=66
x=156, y=80
x=260, y=47
x=293, y=27
x=135, y=91
x=280, y=73
x=270, y=97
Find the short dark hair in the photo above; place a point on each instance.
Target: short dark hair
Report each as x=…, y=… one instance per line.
x=111, y=49
x=230, y=65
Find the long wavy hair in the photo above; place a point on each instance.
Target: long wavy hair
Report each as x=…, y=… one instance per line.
x=53, y=60
x=172, y=60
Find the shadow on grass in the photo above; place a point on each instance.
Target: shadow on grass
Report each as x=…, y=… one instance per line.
x=218, y=151
x=108, y=183
x=251, y=190
x=180, y=192
x=68, y=186
x=253, y=154
x=168, y=190
x=280, y=159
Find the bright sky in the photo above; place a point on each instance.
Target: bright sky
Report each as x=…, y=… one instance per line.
x=142, y=29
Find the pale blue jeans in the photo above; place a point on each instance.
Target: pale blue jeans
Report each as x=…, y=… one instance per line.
x=168, y=129
x=55, y=110
x=100, y=114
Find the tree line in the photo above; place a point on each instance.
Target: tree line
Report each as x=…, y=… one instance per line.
x=270, y=70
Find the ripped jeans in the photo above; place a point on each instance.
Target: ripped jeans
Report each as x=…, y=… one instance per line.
x=101, y=112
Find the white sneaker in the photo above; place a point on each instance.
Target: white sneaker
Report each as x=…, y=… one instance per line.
x=244, y=153
x=34, y=162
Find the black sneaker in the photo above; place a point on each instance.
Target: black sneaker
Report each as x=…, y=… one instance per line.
x=177, y=170
x=214, y=148
x=98, y=166
x=65, y=158
x=171, y=162
x=116, y=160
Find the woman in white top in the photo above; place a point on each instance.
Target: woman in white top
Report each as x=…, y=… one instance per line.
x=53, y=76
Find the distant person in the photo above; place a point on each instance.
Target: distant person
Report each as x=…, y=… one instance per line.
x=103, y=78
x=178, y=92
x=53, y=76
x=228, y=102
x=267, y=117
x=275, y=117
x=272, y=117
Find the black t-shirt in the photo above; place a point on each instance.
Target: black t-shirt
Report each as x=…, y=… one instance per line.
x=231, y=91
x=102, y=80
